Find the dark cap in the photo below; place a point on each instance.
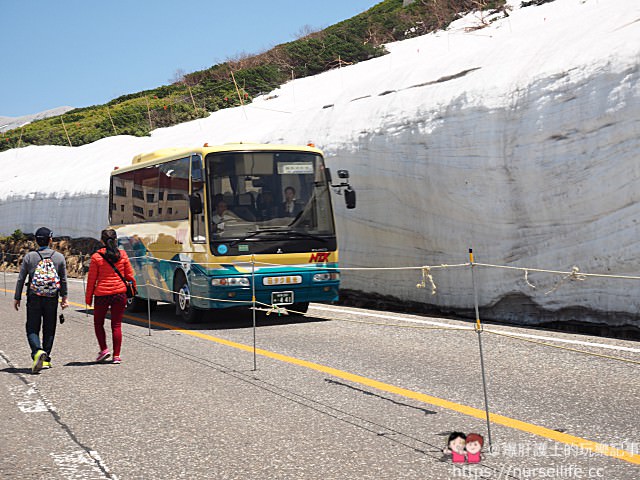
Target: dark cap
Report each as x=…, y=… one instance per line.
x=44, y=232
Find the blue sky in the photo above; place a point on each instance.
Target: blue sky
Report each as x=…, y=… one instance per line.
x=87, y=52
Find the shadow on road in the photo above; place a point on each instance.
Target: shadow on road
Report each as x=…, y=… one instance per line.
x=86, y=364
x=227, y=319
x=13, y=370
x=426, y=411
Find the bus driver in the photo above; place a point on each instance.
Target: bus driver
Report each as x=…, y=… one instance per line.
x=222, y=215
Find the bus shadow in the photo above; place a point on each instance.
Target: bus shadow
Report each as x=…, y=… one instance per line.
x=227, y=319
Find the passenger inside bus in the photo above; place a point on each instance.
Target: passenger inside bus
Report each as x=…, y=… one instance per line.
x=245, y=207
x=267, y=208
x=221, y=215
x=290, y=207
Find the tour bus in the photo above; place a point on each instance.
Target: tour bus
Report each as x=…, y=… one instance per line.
x=216, y=227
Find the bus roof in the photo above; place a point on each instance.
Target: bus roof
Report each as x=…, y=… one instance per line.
x=167, y=154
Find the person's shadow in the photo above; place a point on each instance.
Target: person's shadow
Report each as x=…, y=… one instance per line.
x=27, y=371
x=14, y=370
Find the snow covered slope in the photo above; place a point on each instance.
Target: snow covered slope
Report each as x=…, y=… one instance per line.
x=9, y=123
x=519, y=140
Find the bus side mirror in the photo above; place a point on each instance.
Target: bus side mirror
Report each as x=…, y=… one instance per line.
x=327, y=174
x=343, y=186
x=195, y=204
x=350, y=197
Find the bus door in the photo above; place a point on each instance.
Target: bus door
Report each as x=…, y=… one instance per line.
x=196, y=201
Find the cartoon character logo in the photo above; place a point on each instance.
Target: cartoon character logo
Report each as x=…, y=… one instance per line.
x=455, y=447
x=464, y=448
x=473, y=447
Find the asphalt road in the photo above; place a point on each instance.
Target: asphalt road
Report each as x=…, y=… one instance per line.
x=342, y=394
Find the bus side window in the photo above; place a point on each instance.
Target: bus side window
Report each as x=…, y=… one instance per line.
x=173, y=190
x=121, y=195
x=198, y=228
x=145, y=191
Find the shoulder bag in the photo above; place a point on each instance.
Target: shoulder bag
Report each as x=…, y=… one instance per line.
x=131, y=288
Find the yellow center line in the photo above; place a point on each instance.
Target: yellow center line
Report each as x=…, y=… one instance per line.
x=422, y=397
x=526, y=427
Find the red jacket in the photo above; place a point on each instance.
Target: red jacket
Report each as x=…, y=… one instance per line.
x=103, y=280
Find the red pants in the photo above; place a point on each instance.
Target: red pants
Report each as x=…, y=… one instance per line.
x=101, y=304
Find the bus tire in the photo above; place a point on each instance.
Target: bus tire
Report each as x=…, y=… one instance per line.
x=182, y=299
x=299, y=308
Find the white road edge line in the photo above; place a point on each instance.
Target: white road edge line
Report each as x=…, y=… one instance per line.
x=444, y=324
x=29, y=399
x=75, y=464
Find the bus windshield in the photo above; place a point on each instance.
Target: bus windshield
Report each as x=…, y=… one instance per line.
x=268, y=197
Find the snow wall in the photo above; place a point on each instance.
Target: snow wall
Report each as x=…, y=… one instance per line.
x=548, y=182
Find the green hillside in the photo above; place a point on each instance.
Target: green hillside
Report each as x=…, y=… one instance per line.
x=236, y=82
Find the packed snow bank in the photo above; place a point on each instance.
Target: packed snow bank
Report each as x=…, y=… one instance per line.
x=518, y=139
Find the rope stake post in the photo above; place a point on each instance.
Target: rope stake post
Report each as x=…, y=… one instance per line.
x=148, y=291
x=4, y=271
x=479, y=332
x=253, y=303
x=148, y=309
x=475, y=291
x=84, y=285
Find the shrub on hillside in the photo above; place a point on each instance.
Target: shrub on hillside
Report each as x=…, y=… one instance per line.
x=194, y=94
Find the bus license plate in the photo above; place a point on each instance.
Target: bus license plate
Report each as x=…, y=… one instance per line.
x=281, y=298
x=283, y=280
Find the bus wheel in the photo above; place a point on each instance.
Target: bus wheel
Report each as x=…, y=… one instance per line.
x=183, y=302
x=299, y=308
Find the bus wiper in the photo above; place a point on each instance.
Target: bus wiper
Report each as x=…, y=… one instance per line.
x=255, y=233
x=276, y=231
x=296, y=218
x=303, y=234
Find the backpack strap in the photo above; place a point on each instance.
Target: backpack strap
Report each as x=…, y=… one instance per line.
x=115, y=269
x=30, y=279
x=42, y=258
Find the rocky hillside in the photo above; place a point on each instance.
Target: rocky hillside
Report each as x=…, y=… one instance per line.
x=76, y=251
x=238, y=81
x=10, y=123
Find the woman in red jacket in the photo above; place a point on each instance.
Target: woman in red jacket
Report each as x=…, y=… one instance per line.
x=110, y=291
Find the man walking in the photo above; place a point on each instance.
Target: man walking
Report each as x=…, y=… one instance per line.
x=47, y=272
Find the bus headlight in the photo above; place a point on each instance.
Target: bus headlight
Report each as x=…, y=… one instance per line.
x=230, y=282
x=325, y=277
